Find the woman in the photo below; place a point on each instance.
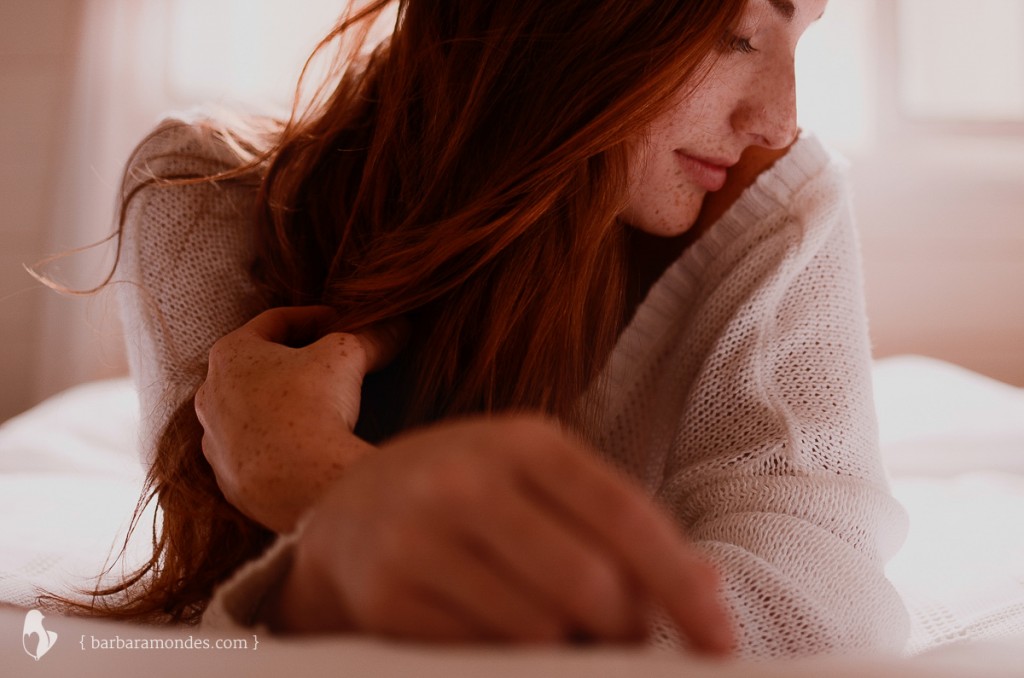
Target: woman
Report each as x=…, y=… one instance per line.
x=506, y=209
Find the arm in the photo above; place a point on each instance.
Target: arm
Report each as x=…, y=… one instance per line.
x=279, y=408
x=777, y=471
x=489, y=529
x=760, y=420
x=182, y=277
x=498, y=529
x=270, y=435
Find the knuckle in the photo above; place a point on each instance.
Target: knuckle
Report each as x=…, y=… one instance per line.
x=374, y=600
x=228, y=489
x=234, y=488
x=342, y=350
x=201, y=401
x=459, y=489
x=533, y=427
x=623, y=513
x=456, y=485
x=393, y=547
x=209, y=450
x=592, y=581
x=349, y=346
x=220, y=351
x=528, y=436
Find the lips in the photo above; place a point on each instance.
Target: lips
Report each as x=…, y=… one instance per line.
x=708, y=173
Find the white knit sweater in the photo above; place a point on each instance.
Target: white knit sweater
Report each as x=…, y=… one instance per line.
x=740, y=392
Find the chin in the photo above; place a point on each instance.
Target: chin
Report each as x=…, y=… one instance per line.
x=666, y=227
x=665, y=221
x=663, y=230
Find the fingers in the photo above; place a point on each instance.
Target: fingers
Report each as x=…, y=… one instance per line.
x=644, y=540
x=369, y=350
x=449, y=571
x=418, y=617
x=292, y=325
x=506, y=529
x=383, y=341
x=297, y=326
x=570, y=576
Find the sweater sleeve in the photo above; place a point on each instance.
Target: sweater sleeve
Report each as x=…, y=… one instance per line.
x=745, y=404
x=183, y=273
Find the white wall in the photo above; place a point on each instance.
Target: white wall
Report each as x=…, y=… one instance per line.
x=37, y=46
x=933, y=93
x=942, y=225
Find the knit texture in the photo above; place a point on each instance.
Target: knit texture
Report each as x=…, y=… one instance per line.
x=182, y=280
x=739, y=395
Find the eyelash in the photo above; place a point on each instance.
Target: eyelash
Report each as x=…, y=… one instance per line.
x=736, y=43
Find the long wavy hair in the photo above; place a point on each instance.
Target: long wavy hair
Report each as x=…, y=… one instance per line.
x=466, y=173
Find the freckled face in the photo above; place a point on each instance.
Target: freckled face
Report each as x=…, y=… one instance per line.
x=747, y=98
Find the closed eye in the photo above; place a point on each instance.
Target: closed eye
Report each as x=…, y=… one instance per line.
x=736, y=43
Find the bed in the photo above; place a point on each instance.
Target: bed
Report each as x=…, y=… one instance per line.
x=953, y=442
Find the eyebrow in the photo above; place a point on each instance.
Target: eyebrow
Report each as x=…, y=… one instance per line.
x=784, y=8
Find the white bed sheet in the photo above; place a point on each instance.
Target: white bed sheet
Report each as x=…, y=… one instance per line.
x=953, y=441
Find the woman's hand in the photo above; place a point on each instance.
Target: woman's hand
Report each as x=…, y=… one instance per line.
x=500, y=529
x=279, y=406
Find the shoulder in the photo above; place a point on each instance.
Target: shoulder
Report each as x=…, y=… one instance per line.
x=186, y=191
x=186, y=245
x=185, y=251
x=181, y=148
x=188, y=164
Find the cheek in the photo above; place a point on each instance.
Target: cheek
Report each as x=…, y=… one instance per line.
x=707, y=112
x=663, y=201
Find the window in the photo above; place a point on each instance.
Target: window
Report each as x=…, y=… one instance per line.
x=961, y=61
x=243, y=51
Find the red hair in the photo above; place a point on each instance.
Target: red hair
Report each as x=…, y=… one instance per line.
x=466, y=174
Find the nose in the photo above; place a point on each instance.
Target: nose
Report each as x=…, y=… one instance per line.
x=766, y=115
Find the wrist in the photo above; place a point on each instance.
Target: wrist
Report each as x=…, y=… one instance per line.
x=278, y=498
x=303, y=601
